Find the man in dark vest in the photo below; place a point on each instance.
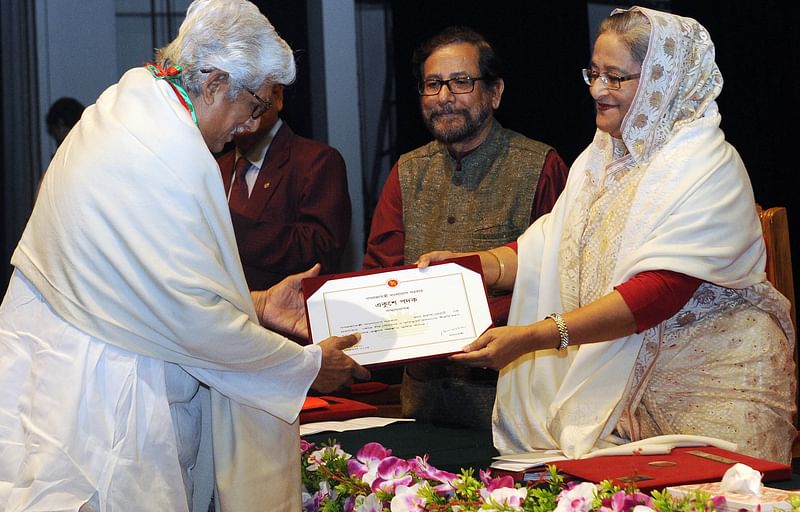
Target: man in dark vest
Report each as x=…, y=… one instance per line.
x=476, y=186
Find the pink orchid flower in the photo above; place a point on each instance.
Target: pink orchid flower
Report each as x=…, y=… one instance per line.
x=407, y=499
x=310, y=502
x=313, y=502
x=577, y=499
x=305, y=446
x=504, y=496
x=369, y=503
x=421, y=467
x=326, y=489
x=316, y=458
x=719, y=502
x=392, y=472
x=495, y=483
x=365, y=464
x=623, y=502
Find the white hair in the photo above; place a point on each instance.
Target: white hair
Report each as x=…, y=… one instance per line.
x=231, y=36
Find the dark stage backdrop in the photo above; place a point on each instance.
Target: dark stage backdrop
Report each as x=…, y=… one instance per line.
x=544, y=45
x=758, y=53
x=290, y=21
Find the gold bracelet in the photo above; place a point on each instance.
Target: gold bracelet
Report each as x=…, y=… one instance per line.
x=500, y=265
x=563, y=333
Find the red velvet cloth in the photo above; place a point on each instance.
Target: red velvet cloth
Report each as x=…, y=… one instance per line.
x=675, y=468
x=334, y=409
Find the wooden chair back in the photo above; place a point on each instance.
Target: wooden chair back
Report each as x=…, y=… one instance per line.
x=775, y=225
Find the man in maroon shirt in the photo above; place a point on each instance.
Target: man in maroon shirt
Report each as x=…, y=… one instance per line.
x=476, y=186
x=288, y=198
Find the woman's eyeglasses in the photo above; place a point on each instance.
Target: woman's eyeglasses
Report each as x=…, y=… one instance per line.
x=610, y=81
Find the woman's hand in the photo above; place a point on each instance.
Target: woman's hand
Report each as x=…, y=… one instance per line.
x=496, y=347
x=499, y=265
x=607, y=318
x=281, y=308
x=430, y=257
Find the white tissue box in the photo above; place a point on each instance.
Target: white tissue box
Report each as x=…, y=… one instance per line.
x=769, y=498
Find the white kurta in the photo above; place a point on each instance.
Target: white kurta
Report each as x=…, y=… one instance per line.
x=130, y=265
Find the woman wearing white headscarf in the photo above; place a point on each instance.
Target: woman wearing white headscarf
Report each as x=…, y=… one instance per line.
x=128, y=293
x=641, y=305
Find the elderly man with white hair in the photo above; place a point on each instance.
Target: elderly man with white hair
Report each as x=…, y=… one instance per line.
x=128, y=293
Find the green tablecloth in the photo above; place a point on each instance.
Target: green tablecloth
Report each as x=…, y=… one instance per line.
x=449, y=448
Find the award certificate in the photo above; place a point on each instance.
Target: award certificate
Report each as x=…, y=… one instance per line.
x=402, y=313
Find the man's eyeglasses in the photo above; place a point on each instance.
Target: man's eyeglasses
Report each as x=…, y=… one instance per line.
x=457, y=85
x=610, y=81
x=262, y=107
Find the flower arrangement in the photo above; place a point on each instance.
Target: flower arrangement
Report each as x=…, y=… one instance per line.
x=376, y=481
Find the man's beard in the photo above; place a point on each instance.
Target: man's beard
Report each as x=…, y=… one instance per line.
x=452, y=134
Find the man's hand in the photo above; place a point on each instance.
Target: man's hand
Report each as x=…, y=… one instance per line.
x=281, y=308
x=338, y=369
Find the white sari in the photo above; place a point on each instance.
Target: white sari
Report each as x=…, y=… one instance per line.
x=679, y=200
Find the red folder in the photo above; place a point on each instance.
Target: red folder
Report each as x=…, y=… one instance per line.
x=335, y=408
x=312, y=284
x=687, y=465
x=314, y=402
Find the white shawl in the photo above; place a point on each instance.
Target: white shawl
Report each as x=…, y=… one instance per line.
x=131, y=241
x=546, y=400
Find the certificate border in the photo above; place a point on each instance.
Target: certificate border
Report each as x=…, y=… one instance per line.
x=471, y=262
x=463, y=287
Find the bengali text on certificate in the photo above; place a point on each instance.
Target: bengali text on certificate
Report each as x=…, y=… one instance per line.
x=402, y=314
